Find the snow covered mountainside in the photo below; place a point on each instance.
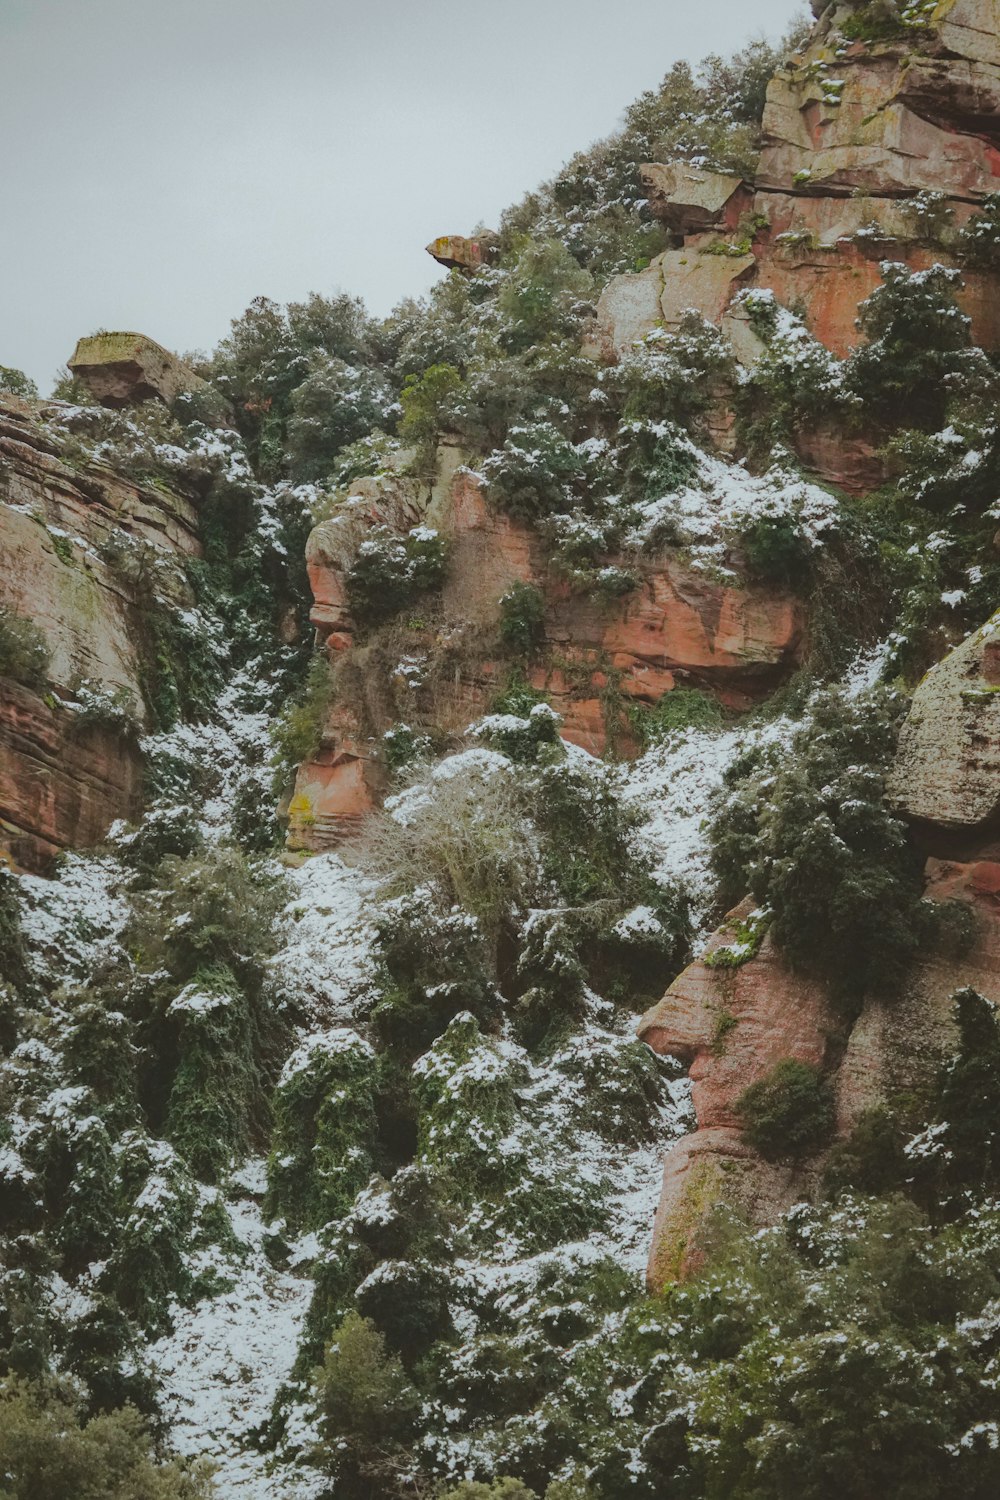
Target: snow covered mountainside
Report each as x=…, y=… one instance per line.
x=499, y=929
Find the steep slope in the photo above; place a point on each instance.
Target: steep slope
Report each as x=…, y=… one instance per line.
x=330, y=1145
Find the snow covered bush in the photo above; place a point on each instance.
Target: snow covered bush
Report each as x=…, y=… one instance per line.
x=390, y=572
x=465, y=1090
x=979, y=240
x=796, y=379
x=336, y=404
x=919, y=350
x=434, y=962
x=461, y=832
x=215, y=1107
x=324, y=1128
x=673, y=377
x=536, y=473
x=543, y=297
x=810, y=835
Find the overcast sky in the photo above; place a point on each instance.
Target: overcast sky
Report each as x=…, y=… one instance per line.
x=164, y=161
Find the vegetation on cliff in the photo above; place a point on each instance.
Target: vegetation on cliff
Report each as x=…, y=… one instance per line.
x=340, y=1170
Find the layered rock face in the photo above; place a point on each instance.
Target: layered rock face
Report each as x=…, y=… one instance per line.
x=63, y=523
x=123, y=369
x=947, y=773
x=676, y=625
x=853, y=131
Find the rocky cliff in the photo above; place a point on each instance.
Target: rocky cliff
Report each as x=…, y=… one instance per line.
x=81, y=543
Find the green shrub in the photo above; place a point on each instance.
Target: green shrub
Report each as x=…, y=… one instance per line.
x=524, y=740
x=919, y=352
x=336, y=404
x=390, y=572
x=680, y=709
x=673, y=377
x=218, y=908
x=24, y=652
x=298, y=733
x=465, y=1091
x=959, y=1152
x=540, y=298
x=14, y=965
x=403, y=746
x=16, y=383
x=534, y=473
x=871, y=1159
x=96, y=706
x=49, y=1448
x=427, y=401
x=215, y=1106
x=979, y=239
x=813, y=840
x=522, y=619
x=368, y=1414
x=324, y=1127
x=433, y=964
x=789, y=1113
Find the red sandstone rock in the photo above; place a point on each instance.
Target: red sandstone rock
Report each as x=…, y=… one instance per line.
x=60, y=787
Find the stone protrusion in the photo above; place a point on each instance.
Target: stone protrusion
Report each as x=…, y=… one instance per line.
x=124, y=369
x=947, y=767
x=458, y=252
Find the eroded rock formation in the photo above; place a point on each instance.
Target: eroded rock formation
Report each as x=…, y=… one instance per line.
x=947, y=771
x=737, y=639
x=123, y=369
x=853, y=130
x=64, y=521
x=731, y=1026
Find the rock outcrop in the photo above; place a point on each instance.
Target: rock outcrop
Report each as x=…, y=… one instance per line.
x=853, y=131
x=124, y=369
x=458, y=252
x=737, y=640
x=64, y=521
x=732, y=1025
x=947, y=769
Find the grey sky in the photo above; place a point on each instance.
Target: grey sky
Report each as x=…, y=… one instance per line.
x=163, y=163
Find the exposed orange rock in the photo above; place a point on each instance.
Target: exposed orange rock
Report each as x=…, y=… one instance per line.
x=676, y=625
x=61, y=787
x=851, y=132
x=731, y=1026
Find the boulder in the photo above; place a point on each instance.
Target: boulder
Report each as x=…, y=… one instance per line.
x=691, y=200
x=947, y=767
x=124, y=369
x=460, y=253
